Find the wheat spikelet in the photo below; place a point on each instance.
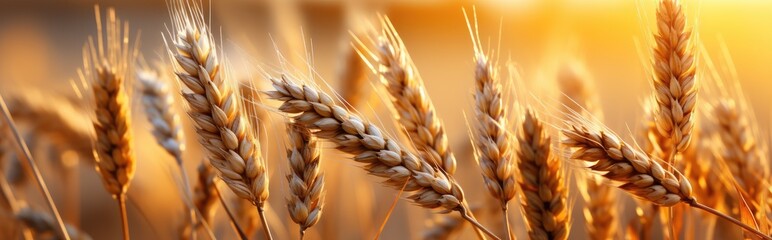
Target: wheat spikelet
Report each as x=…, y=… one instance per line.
x=638, y=174
x=107, y=70
x=674, y=76
x=384, y=157
x=159, y=108
x=45, y=227
x=306, y=183
x=743, y=157
x=493, y=141
x=214, y=107
x=600, y=210
x=543, y=196
x=204, y=194
x=413, y=107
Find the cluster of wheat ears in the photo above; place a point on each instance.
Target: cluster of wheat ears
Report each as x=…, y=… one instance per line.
x=716, y=166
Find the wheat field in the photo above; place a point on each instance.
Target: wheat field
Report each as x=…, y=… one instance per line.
x=385, y=119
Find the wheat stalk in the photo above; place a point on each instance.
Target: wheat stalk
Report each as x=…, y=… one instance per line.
x=600, y=209
x=639, y=175
x=543, y=197
x=411, y=103
x=383, y=157
x=106, y=68
x=675, y=86
x=306, y=183
x=214, y=107
x=42, y=224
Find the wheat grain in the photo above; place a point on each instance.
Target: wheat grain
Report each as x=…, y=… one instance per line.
x=675, y=86
x=159, y=108
x=44, y=226
x=306, y=183
x=543, y=198
x=600, y=209
x=411, y=103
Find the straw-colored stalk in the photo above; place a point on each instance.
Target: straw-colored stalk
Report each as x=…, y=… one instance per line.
x=306, y=182
x=221, y=124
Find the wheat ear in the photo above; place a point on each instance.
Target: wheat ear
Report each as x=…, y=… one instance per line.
x=411, y=103
x=543, y=197
x=743, y=157
x=383, y=157
x=215, y=108
x=495, y=153
x=639, y=175
x=306, y=183
x=107, y=68
x=43, y=224
x=600, y=209
x=675, y=87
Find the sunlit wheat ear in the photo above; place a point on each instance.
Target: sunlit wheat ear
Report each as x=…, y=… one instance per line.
x=744, y=158
x=204, y=195
x=618, y=161
x=600, y=199
x=543, y=197
x=675, y=85
x=107, y=70
x=214, y=106
x=158, y=103
x=448, y=226
x=44, y=226
x=382, y=156
x=411, y=103
x=306, y=182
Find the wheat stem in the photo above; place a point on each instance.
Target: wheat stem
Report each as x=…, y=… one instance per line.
x=234, y=223
x=715, y=212
x=121, y=198
x=505, y=212
x=40, y=182
x=266, y=230
x=477, y=225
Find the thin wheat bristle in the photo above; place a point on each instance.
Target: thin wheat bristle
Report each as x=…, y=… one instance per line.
x=543, y=198
x=223, y=129
x=493, y=141
x=413, y=107
x=306, y=182
x=600, y=209
x=45, y=227
x=158, y=103
x=107, y=69
x=383, y=157
x=204, y=193
x=674, y=81
x=618, y=161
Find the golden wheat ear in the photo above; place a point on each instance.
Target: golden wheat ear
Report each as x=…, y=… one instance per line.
x=306, y=182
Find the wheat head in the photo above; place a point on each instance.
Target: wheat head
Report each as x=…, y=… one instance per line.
x=158, y=103
x=675, y=86
x=204, y=192
x=107, y=70
x=383, y=157
x=221, y=125
x=306, y=182
x=411, y=103
x=543, y=197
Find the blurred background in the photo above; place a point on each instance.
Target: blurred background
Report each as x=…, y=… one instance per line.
x=42, y=41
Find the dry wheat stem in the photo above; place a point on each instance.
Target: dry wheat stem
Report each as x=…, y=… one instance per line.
x=234, y=223
x=221, y=124
x=306, y=183
x=413, y=107
x=675, y=89
x=543, y=197
x=36, y=171
x=639, y=175
x=600, y=209
x=383, y=157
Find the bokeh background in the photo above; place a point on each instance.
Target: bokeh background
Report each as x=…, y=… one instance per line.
x=41, y=43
